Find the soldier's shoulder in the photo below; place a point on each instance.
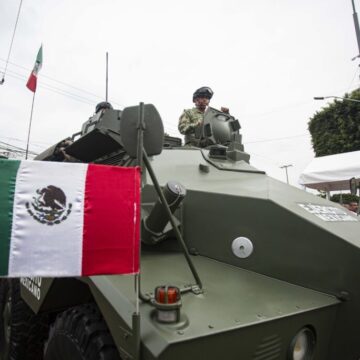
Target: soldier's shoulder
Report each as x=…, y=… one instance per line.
x=187, y=112
x=191, y=111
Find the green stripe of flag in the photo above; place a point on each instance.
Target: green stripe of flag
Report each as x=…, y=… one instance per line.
x=8, y=171
x=39, y=57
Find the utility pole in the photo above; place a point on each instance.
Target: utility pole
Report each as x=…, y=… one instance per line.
x=286, y=171
x=357, y=31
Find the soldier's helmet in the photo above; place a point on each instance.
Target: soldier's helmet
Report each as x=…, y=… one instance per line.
x=204, y=91
x=103, y=105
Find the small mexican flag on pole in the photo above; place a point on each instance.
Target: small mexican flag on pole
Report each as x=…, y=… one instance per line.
x=31, y=85
x=32, y=82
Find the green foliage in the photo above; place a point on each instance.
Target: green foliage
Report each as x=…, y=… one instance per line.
x=346, y=198
x=336, y=128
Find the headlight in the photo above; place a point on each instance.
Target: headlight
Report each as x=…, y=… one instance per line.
x=303, y=345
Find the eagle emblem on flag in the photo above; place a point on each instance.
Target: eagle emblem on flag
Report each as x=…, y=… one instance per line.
x=49, y=206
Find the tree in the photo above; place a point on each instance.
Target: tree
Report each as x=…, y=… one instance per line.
x=336, y=128
x=346, y=198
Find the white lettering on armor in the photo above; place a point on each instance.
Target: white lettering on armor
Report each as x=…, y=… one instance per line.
x=328, y=213
x=32, y=284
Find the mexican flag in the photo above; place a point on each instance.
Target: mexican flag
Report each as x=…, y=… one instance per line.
x=32, y=81
x=68, y=219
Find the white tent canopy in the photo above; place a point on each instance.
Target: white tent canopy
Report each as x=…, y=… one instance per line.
x=332, y=172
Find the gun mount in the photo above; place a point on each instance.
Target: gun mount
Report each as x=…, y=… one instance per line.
x=110, y=136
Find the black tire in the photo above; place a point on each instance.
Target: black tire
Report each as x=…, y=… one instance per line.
x=5, y=311
x=22, y=333
x=80, y=333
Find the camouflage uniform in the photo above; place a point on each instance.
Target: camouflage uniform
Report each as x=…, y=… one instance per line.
x=189, y=120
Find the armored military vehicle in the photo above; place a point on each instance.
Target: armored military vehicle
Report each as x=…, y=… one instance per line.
x=234, y=264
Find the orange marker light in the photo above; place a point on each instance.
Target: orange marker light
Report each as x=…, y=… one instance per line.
x=167, y=302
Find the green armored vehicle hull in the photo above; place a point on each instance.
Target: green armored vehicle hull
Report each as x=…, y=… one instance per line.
x=272, y=275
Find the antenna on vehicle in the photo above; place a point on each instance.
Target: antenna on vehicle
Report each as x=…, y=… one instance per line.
x=107, y=73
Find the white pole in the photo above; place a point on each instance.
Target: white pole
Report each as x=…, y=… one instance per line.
x=28, y=138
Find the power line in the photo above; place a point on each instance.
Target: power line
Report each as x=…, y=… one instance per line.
x=36, y=143
x=14, y=149
x=53, y=79
x=13, y=146
x=275, y=162
x=283, y=108
x=356, y=72
x=55, y=89
x=275, y=139
x=62, y=83
x=65, y=93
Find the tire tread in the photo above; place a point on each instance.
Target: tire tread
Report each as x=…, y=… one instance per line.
x=84, y=326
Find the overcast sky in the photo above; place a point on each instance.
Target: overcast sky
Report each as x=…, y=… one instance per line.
x=264, y=59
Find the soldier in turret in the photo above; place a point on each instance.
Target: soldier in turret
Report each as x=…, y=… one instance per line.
x=191, y=120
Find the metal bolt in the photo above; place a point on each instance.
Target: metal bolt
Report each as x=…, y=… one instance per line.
x=344, y=295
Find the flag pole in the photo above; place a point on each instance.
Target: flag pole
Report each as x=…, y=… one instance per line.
x=31, y=85
x=136, y=320
x=28, y=137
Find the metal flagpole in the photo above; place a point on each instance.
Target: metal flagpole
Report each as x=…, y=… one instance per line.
x=28, y=138
x=136, y=322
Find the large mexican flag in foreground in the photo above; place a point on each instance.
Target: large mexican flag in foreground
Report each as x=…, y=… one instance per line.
x=64, y=219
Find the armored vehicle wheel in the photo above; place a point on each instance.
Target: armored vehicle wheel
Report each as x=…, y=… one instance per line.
x=80, y=333
x=22, y=333
x=5, y=311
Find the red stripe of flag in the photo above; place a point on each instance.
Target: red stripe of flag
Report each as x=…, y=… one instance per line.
x=32, y=82
x=111, y=220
